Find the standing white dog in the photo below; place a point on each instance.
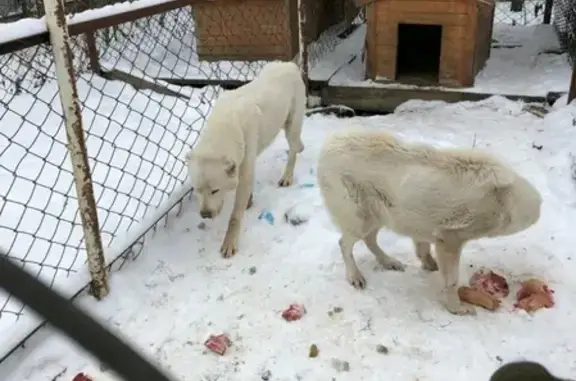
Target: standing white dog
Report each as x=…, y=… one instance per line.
x=369, y=180
x=241, y=125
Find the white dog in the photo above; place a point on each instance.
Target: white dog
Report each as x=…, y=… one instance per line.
x=369, y=180
x=241, y=125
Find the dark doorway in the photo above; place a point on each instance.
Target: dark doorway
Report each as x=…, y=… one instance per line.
x=418, y=53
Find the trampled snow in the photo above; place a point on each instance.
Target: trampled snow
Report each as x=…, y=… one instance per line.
x=180, y=290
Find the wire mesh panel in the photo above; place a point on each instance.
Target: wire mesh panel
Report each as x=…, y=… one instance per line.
x=138, y=129
x=521, y=13
x=136, y=139
x=138, y=126
x=12, y=10
x=565, y=23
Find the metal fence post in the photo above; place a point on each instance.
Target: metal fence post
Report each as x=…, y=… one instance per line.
x=572, y=90
x=59, y=38
x=303, y=42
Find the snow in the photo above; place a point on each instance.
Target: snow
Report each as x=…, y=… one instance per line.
x=528, y=16
x=135, y=141
x=180, y=290
x=523, y=61
x=29, y=27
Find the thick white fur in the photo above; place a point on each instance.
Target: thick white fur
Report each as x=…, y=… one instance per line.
x=369, y=180
x=241, y=125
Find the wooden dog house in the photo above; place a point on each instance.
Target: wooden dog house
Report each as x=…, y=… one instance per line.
x=445, y=42
x=251, y=30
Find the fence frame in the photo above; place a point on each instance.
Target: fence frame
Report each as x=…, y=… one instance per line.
x=77, y=150
x=572, y=91
x=59, y=29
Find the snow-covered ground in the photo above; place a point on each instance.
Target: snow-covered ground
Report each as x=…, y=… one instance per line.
x=523, y=60
x=135, y=140
x=531, y=14
x=180, y=290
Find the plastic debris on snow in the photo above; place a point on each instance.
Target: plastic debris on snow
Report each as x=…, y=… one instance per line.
x=294, y=312
x=267, y=216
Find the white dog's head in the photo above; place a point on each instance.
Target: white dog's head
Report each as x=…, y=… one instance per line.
x=212, y=178
x=522, y=203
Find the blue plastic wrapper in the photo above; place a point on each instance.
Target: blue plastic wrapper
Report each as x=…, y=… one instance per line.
x=267, y=216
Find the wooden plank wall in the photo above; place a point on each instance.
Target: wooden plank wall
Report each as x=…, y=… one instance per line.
x=250, y=30
x=456, y=18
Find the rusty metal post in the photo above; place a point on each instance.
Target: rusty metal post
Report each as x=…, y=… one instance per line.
x=60, y=40
x=303, y=42
x=92, y=53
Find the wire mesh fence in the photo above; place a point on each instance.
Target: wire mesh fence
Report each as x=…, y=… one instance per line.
x=520, y=13
x=565, y=23
x=12, y=10
x=138, y=126
x=135, y=141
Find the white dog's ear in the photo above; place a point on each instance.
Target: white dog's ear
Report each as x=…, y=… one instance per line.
x=230, y=167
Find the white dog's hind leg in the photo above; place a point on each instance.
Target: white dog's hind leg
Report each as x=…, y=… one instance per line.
x=293, y=130
x=250, y=201
x=241, y=201
x=389, y=263
x=353, y=274
x=448, y=250
x=423, y=253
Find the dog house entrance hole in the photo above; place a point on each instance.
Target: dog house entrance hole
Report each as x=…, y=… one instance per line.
x=418, y=53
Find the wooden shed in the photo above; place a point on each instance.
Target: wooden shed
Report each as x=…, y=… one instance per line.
x=445, y=42
x=251, y=30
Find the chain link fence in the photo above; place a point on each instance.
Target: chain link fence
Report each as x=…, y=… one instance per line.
x=136, y=138
x=12, y=10
x=520, y=13
x=138, y=124
x=565, y=23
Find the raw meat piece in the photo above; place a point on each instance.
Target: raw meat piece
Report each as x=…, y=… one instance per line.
x=218, y=343
x=533, y=286
x=294, y=312
x=533, y=295
x=478, y=298
x=82, y=377
x=488, y=281
x=534, y=302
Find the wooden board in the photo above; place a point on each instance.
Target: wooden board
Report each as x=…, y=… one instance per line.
x=385, y=100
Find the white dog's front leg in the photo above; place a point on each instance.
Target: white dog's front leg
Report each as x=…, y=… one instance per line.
x=448, y=251
x=423, y=253
x=241, y=202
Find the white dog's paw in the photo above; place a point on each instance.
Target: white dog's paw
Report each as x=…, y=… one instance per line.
x=356, y=279
x=429, y=264
x=461, y=309
x=285, y=181
x=229, y=246
x=392, y=264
